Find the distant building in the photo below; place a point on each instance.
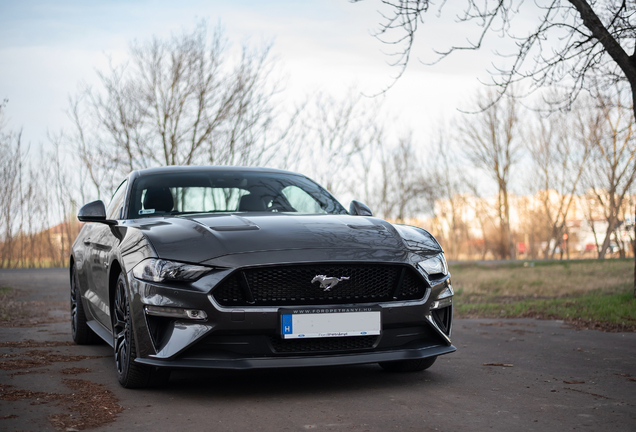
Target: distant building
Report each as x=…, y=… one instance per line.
x=468, y=226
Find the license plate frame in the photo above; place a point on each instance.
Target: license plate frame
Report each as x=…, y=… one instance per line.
x=309, y=323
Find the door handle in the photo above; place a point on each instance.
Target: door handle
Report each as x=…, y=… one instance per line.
x=87, y=241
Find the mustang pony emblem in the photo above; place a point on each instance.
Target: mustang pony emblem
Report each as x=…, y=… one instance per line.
x=328, y=282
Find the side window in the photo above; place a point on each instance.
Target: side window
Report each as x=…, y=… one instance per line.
x=113, y=211
x=301, y=201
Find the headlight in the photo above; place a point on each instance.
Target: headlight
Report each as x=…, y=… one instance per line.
x=158, y=270
x=434, y=265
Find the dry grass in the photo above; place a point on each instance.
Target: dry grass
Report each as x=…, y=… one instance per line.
x=544, y=279
x=587, y=294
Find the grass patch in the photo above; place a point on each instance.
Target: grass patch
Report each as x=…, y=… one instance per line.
x=545, y=279
x=598, y=292
x=607, y=308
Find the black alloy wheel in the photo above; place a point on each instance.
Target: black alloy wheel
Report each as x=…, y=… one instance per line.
x=80, y=331
x=129, y=373
x=415, y=365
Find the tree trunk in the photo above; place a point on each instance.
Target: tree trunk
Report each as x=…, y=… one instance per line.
x=509, y=241
x=603, y=250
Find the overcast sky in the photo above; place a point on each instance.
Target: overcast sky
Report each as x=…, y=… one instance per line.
x=48, y=47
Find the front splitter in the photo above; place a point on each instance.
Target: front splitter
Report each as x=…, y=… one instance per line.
x=300, y=361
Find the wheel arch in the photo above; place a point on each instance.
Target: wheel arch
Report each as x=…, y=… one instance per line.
x=71, y=265
x=115, y=270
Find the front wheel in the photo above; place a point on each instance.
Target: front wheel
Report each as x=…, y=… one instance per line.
x=129, y=373
x=408, y=365
x=80, y=331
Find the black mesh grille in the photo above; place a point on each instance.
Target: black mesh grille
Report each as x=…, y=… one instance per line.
x=291, y=285
x=351, y=343
x=230, y=292
x=411, y=287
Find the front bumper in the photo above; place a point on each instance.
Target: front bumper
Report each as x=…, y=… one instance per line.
x=245, y=338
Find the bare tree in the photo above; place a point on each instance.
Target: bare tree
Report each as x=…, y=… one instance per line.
x=450, y=186
x=23, y=204
x=576, y=42
x=178, y=101
x=401, y=189
x=613, y=171
x=582, y=44
x=559, y=148
x=11, y=162
x=337, y=138
x=492, y=143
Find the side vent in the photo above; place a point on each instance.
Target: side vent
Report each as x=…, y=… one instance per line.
x=443, y=317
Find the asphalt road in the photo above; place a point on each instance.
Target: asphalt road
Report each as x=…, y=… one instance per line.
x=560, y=379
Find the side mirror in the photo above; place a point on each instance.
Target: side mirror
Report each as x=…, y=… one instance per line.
x=94, y=212
x=356, y=208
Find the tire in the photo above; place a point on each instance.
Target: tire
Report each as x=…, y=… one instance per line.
x=408, y=365
x=129, y=373
x=80, y=331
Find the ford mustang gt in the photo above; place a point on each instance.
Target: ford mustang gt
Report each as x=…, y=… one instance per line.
x=239, y=268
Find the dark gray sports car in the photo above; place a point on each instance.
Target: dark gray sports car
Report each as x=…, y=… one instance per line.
x=238, y=268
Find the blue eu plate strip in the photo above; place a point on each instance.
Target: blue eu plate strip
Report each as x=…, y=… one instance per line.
x=287, y=324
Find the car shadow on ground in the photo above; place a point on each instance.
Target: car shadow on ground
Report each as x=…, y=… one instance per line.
x=296, y=382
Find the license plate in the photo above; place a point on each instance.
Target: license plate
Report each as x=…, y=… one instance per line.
x=330, y=322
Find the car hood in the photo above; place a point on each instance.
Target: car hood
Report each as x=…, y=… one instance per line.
x=201, y=238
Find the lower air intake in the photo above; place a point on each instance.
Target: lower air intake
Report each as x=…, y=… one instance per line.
x=351, y=343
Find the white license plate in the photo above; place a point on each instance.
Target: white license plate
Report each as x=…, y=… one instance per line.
x=330, y=322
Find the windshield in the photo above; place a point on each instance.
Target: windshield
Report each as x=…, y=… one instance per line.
x=212, y=192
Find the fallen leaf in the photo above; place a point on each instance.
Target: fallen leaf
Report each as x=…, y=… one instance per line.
x=573, y=382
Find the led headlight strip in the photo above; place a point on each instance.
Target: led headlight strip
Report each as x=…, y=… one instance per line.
x=159, y=270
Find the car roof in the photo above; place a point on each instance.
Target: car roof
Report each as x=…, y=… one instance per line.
x=206, y=168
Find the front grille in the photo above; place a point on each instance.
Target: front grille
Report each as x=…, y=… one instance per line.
x=291, y=285
x=350, y=343
x=229, y=292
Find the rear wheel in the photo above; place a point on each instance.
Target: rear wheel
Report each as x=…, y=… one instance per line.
x=80, y=331
x=408, y=365
x=129, y=373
